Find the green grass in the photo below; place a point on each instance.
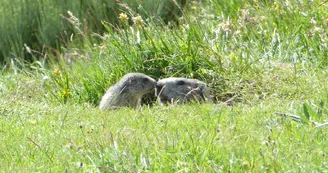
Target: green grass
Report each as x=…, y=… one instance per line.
x=206, y=138
x=30, y=29
x=259, y=58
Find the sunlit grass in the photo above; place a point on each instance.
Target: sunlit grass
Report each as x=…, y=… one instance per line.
x=204, y=137
x=259, y=59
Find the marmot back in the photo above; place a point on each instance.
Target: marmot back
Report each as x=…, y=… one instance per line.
x=128, y=91
x=182, y=90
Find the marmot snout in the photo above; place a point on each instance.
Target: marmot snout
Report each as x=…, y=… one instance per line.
x=128, y=91
x=182, y=90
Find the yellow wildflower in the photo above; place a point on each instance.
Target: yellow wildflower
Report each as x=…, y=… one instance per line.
x=66, y=92
x=57, y=72
x=123, y=17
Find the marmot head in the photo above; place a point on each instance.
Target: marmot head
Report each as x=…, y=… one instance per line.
x=181, y=90
x=137, y=83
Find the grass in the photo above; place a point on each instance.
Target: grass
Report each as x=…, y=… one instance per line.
x=192, y=137
x=259, y=58
x=44, y=28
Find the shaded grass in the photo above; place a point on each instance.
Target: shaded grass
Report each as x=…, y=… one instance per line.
x=32, y=29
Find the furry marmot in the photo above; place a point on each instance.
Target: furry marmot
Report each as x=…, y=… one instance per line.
x=128, y=91
x=182, y=90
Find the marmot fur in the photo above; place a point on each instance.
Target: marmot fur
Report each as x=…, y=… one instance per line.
x=181, y=90
x=128, y=91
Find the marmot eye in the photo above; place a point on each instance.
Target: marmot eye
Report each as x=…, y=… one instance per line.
x=145, y=79
x=180, y=82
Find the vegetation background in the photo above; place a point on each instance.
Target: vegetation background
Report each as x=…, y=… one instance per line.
x=261, y=59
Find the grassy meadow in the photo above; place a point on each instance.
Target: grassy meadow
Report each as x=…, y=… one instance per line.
x=261, y=59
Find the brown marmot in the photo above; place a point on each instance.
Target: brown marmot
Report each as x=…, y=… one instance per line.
x=182, y=90
x=128, y=91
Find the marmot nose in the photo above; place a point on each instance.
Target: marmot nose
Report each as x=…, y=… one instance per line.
x=159, y=87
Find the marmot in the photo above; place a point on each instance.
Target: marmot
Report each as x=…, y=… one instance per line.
x=181, y=90
x=128, y=91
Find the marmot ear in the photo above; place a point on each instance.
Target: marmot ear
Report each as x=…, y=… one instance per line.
x=132, y=81
x=181, y=82
x=145, y=80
